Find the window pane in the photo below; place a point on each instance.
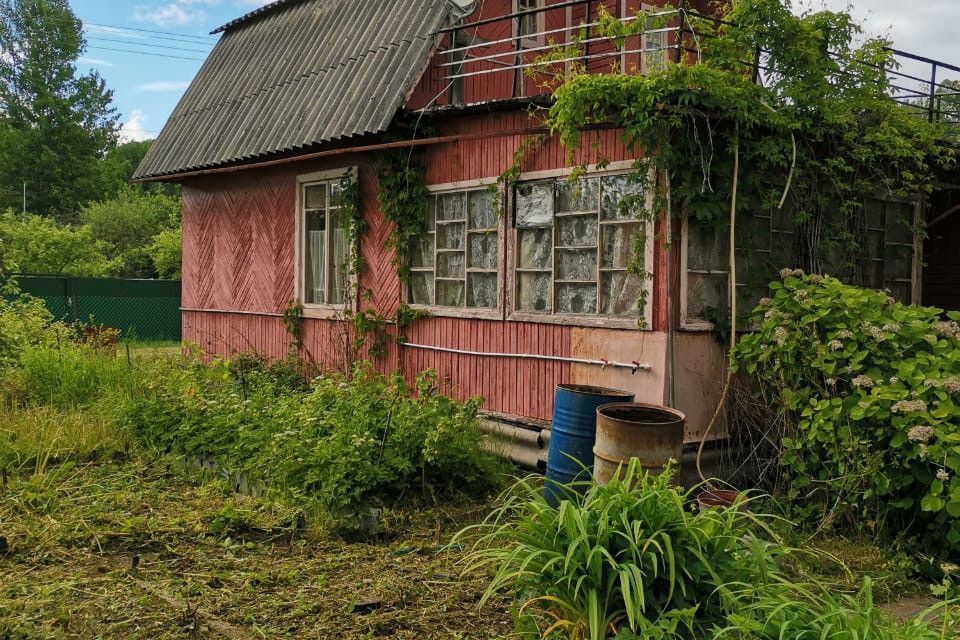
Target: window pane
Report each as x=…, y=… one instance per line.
x=450, y=265
x=899, y=222
x=618, y=241
x=314, y=257
x=482, y=215
x=614, y=189
x=340, y=258
x=706, y=293
x=483, y=250
x=450, y=293
x=335, y=192
x=899, y=263
x=536, y=248
x=580, y=195
x=577, y=265
x=450, y=236
x=421, y=287
x=706, y=248
x=577, y=231
x=482, y=290
x=533, y=292
x=421, y=251
x=315, y=197
x=619, y=292
x=577, y=298
x=451, y=207
x=534, y=204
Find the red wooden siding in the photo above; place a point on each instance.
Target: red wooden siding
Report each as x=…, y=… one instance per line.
x=239, y=257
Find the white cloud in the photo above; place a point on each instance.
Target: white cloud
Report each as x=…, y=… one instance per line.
x=173, y=14
x=163, y=86
x=253, y=3
x=133, y=129
x=96, y=62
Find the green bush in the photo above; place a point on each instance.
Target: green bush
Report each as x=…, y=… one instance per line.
x=629, y=557
x=25, y=323
x=869, y=388
x=348, y=443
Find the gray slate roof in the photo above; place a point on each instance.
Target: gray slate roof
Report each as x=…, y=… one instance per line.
x=296, y=73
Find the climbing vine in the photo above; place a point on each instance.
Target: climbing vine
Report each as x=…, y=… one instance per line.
x=816, y=131
x=404, y=201
x=356, y=224
x=372, y=333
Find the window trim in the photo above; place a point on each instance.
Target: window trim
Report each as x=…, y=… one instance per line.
x=527, y=41
x=596, y=320
x=317, y=311
x=468, y=312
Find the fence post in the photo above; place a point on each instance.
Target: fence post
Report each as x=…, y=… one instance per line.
x=933, y=91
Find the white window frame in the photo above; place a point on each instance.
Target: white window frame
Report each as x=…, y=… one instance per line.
x=595, y=320
x=325, y=310
x=536, y=40
x=495, y=313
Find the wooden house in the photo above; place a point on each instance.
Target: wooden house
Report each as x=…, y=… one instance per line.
x=526, y=287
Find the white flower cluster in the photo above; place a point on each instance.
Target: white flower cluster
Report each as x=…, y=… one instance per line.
x=800, y=295
x=836, y=345
x=947, y=329
x=844, y=334
x=875, y=332
x=765, y=302
x=909, y=406
x=863, y=381
x=892, y=328
x=942, y=475
x=780, y=335
x=816, y=278
x=791, y=273
x=920, y=433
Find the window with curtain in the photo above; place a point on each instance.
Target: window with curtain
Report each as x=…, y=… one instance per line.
x=455, y=263
x=324, y=244
x=574, y=244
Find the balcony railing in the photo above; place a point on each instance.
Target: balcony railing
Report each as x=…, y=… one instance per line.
x=489, y=59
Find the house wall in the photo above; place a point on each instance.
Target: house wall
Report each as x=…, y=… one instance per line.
x=239, y=235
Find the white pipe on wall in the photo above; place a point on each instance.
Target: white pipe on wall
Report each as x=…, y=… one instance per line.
x=632, y=366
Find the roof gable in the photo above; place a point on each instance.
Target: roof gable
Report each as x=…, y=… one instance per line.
x=302, y=73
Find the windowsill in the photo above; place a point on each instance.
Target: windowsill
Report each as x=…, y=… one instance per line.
x=601, y=322
x=325, y=311
x=453, y=312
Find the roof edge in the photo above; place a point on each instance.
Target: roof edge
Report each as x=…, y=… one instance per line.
x=247, y=17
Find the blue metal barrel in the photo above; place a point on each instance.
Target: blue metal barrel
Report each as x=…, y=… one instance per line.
x=573, y=432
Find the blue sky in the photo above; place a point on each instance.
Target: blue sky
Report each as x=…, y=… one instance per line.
x=171, y=40
x=148, y=84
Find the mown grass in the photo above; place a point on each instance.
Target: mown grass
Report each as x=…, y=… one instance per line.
x=146, y=549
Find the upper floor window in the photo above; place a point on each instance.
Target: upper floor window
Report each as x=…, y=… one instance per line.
x=575, y=243
x=530, y=25
x=653, y=42
x=455, y=263
x=323, y=243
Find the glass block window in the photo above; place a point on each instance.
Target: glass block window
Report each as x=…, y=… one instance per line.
x=574, y=245
x=455, y=263
x=654, y=45
x=324, y=244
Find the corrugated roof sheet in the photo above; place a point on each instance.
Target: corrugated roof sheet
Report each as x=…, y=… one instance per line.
x=303, y=73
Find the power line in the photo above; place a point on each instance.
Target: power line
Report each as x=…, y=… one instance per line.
x=164, y=33
x=95, y=32
x=147, y=44
x=145, y=53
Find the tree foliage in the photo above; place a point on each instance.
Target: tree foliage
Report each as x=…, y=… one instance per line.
x=127, y=224
x=39, y=245
x=166, y=253
x=55, y=124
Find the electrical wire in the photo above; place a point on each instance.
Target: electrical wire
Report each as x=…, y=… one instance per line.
x=165, y=33
x=147, y=44
x=145, y=53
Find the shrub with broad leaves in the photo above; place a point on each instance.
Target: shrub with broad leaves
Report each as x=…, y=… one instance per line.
x=870, y=389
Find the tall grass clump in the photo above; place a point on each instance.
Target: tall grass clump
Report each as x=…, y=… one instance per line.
x=630, y=557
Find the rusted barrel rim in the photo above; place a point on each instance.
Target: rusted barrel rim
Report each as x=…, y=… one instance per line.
x=602, y=411
x=588, y=390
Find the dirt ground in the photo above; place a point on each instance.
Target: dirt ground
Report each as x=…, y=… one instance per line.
x=136, y=550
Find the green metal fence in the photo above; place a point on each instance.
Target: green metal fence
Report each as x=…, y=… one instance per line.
x=140, y=309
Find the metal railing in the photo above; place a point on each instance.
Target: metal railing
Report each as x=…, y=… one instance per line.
x=569, y=36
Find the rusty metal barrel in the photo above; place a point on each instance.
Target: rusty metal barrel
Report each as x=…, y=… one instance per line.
x=573, y=432
x=651, y=433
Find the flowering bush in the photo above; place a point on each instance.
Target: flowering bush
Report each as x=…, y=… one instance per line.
x=870, y=389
